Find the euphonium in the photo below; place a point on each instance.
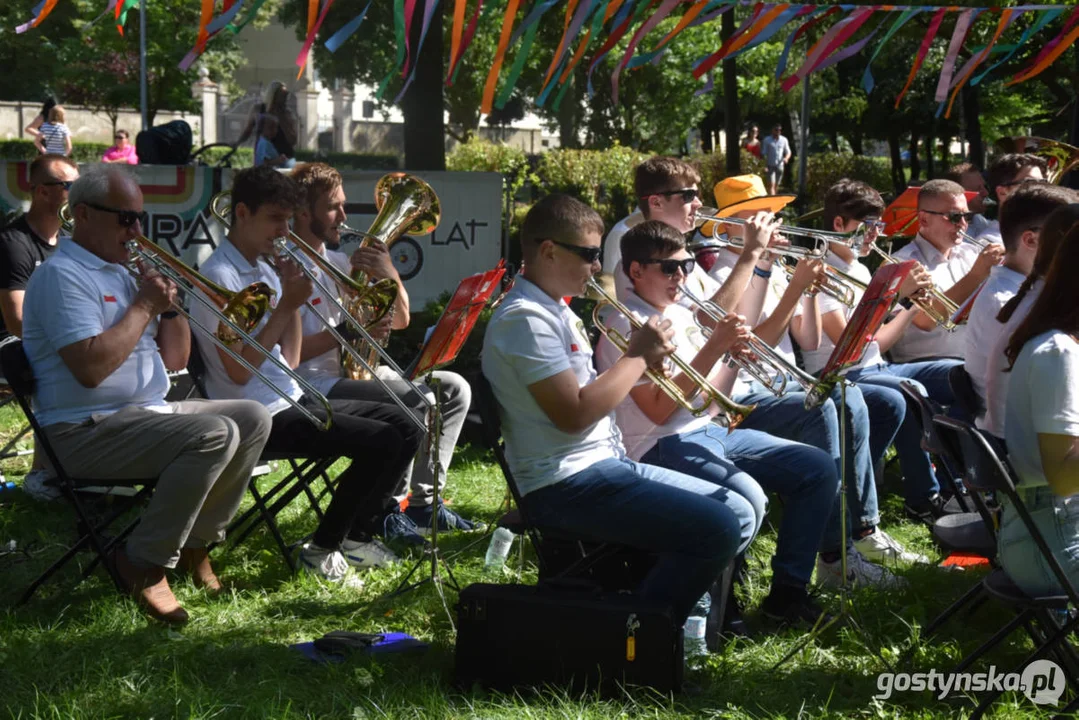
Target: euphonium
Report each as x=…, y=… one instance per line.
x=732, y=411
x=1061, y=157
x=406, y=206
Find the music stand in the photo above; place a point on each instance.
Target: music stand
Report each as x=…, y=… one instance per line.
x=864, y=323
x=441, y=348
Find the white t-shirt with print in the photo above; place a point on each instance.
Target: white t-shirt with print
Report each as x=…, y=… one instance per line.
x=532, y=337
x=1043, y=398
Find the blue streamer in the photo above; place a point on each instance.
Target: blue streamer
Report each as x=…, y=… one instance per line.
x=345, y=32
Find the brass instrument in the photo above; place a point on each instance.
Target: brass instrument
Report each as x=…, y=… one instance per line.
x=835, y=283
x=708, y=221
x=1061, y=157
x=238, y=312
x=377, y=298
x=406, y=206
x=732, y=411
x=928, y=300
x=770, y=369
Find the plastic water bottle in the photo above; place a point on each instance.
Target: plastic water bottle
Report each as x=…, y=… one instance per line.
x=499, y=549
x=693, y=631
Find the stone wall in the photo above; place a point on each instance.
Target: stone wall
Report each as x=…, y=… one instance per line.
x=85, y=124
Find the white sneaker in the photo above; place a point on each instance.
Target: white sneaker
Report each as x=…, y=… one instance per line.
x=34, y=485
x=860, y=573
x=883, y=548
x=368, y=554
x=329, y=565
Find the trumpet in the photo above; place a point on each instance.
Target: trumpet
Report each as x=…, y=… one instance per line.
x=976, y=242
x=732, y=411
x=708, y=222
x=770, y=369
x=238, y=312
x=835, y=283
x=930, y=301
x=376, y=295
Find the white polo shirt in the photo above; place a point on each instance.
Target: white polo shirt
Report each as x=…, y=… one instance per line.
x=612, y=244
x=996, y=375
x=777, y=285
x=530, y=338
x=1043, y=398
x=917, y=344
x=228, y=268
x=815, y=360
x=983, y=330
x=73, y=296
x=639, y=433
x=323, y=371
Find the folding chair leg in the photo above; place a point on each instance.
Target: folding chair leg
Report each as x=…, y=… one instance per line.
x=51, y=570
x=1070, y=709
x=993, y=641
x=969, y=596
x=268, y=519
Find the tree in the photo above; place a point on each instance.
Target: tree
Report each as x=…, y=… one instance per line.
x=31, y=60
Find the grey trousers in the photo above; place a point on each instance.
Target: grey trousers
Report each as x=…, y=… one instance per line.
x=456, y=399
x=202, y=454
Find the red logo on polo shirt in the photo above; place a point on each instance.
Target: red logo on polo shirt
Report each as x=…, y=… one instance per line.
x=316, y=301
x=110, y=298
x=573, y=347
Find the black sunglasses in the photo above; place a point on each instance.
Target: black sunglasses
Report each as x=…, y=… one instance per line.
x=126, y=218
x=688, y=194
x=588, y=254
x=66, y=184
x=953, y=217
x=670, y=267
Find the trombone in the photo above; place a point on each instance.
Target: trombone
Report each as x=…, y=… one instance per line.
x=714, y=238
x=239, y=313
x=929, y=301
x=770, y=369
x=364, y=293
x=732, y=411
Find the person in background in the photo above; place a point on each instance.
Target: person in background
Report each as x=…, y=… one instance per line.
x=752, y=145
x=34, y=128
x=123, y=151
x=777, y=153
x=25, y=243
x=1004, y=176
x=1042, y=431
x=971, y=178
x=266, y=153
x=275, y=103
x=54, y=138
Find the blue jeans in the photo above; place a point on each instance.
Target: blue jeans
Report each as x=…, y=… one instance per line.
x=931, y=377
x=802, y=475
x=1057, y=519
x=786, y=417
x=687, y=522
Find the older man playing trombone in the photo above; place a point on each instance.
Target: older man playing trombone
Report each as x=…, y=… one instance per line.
x=99, y=344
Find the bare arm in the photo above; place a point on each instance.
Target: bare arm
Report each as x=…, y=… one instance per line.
x=376, y=262
x=174, y=342
x=315, y=344
x=1060, y=462
x=32, y=129
x=958, y=293
x=11, y=309
x=806, y=328
x=67, y=144
x=270, y=335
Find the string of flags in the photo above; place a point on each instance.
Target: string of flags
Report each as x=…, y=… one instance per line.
x=604, y=23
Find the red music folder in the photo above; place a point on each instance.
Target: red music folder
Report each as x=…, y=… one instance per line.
x=458, y=319
x=867, y=318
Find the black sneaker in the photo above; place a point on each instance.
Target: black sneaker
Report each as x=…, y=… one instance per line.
x=931, y=510
x=793, y=606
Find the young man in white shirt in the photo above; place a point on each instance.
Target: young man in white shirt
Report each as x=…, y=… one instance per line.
x=658, y=432
x=377, y=436
x=847, y=205
x=1021, y=222
x=557, y=415
x=776, y=153
x=99, y=344
x=956, y=267
x=1006, y=174
x=317, y=222
x=872, y=417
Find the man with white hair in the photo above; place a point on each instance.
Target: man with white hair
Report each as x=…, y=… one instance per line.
x=99, y=343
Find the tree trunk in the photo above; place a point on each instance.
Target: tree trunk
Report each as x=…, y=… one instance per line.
x=705, y=129
x=945, y=154
x=915, y=161
x=930, y=146
x=567, y=117
x=899, y=180
x=972, y=114
x=833, y=140
x=425, y=132
x=855, y=139
x=731, y=116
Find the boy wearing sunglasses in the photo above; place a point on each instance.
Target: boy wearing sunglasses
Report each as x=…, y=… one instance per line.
x=956, y=268
x=562, y=444
x=658, y=432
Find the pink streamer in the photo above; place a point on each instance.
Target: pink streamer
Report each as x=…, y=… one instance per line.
x=663, y=11
x=962, y=27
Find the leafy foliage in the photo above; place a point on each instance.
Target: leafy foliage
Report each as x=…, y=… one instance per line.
x=478, y=155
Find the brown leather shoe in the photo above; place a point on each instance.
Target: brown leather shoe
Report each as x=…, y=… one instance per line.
x=150, y=588
x=196, y=563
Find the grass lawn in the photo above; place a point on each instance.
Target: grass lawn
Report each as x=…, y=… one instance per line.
x=80, y=651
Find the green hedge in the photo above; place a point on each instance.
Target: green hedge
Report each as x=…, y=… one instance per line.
x=479, y=155
x=825, y=169
x=24, y=150
x=351, y=161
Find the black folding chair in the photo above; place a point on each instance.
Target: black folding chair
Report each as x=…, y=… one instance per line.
x=925, y=409
x=91, y=528
x=561, y=558
x=268, y=504
x=986, y=471
x=966, y=397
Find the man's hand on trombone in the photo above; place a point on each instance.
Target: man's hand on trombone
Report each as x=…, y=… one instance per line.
x=156, y=292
